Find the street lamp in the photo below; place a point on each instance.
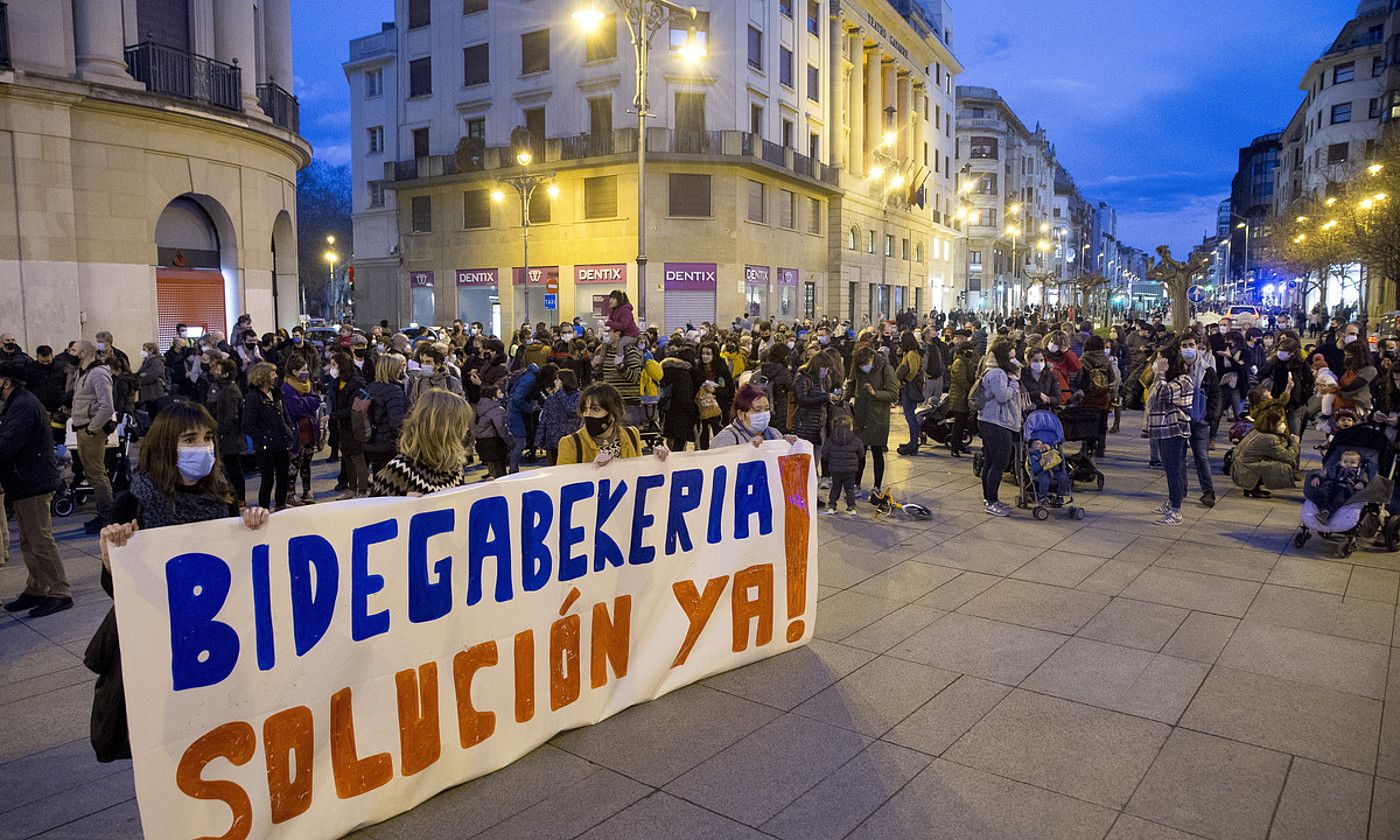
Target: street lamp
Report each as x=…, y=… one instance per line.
x=644, y=18
x=525, y=185
x=332, y=258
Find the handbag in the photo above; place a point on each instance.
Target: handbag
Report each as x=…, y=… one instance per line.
x=708, y=405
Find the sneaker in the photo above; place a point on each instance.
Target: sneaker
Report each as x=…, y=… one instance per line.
x=996, y=509
x=347, y=495
x=1171, y=517
x=51, y=605
x=1208, y=499
x=1162, y=508
x=830, y=511
x=25, y=601
x=293, y=501
x=308, y=499
x=851, y=511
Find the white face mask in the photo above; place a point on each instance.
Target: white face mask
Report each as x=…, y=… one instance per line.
x=333, y=371
x=195, y=462
x=1107, y=352
x=758, y=420
x=1348, y=338
x=1223, y=329
x=1283, y=355
x=101, y=346
x=1053, y=348
x=1037, y=367
x=144, y=354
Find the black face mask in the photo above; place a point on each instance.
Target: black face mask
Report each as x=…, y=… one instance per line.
x=596, y=425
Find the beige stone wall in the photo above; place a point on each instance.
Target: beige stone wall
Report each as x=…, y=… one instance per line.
x=83, y=181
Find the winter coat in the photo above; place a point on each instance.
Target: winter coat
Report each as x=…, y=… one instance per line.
x=779, y=391
x=1266, y=457
x=623, y=320
x=265, y=421
x=301, y=414
x=343, y=392
x=580, y=448
x=872, y=411
x=27, y=467
x=842, y=451
x=491, y=422
x=1067, y=367
x=811, y=393
x=421, y=384
x=92, y=398
x=152, y=375
x=521, y=400
x=388, y=407
x=1101, y=400
x=681, y=414
x=718, y=373
x=1046, y=383
x=961, y=379
x=48, y=382
x=228, y=414
x=1277, y=373
x=558, y=417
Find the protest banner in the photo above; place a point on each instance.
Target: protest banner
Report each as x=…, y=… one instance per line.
x=347, y=662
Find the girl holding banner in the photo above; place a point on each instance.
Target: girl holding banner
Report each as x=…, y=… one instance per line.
x=604, y=435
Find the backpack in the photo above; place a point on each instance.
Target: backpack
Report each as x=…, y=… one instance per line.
x=361, y=428
x=977, y=396
x=1098, y=381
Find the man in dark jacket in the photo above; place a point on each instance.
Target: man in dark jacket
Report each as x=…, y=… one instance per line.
x=29, y=475
x=48, y=380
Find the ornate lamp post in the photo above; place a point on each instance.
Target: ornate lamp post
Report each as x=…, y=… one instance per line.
x=525, y=185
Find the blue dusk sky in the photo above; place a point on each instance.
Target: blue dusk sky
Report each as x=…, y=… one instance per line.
x=1146, y=102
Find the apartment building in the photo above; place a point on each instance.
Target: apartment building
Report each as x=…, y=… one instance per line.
x=801, y=126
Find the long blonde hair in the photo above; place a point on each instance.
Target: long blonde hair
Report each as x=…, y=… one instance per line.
x=435, y=431
x=389, y=368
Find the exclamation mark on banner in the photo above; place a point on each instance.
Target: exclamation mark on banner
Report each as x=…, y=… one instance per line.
x=795, y=470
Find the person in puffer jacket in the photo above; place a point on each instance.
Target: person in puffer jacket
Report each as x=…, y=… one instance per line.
x=844, y=451
x=493, y=438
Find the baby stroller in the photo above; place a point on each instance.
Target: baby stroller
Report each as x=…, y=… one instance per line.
x=936, y=423
x=1238, y=430
x=1044, y=426
x=74, y=488
x=1360, y=517
x=1083, y=424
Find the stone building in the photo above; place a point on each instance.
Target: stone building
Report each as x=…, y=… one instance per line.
x=149, y=151
x=801, y=166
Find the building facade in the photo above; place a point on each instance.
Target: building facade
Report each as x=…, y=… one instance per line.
x=1251, y=206
x=805, y=127
x=150, y=151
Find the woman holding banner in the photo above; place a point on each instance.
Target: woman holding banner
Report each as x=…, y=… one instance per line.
x=604, y=435
x=178, y=481
x=752, y=412
x=432, y=451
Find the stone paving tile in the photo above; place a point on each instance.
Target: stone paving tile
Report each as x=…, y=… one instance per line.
x=1149, y=685
x=1234, y=563
x=844, y=799
x=1036, y=605
x=1319, y=723
x=937, y=724
x=75, y=802
x=1078, y=750
x=1134, y=624
x=1369, y=621
x=1112, y=577
x=1201, y=637
x=1193, y=591
x=1095, y=542
x=657, y=741
x=1308, y=657
x=1317, y=575
x=976, y=554
x=1388, y=759
x=877, y=695
x=894, y=628
x=663, y=815
x=1129, y=827
x=968, y=644
x=846, y=612
x=569, y=811
x=952, y=802
x=121, y=820
x=1320, y=800
x=958, y=591
x=755, y=779
x=1373, y=584
x=1385, y=810
x=909, y=581
x=31, y=722
x=789, y=678
x=1213, y=787
x=1059, y=568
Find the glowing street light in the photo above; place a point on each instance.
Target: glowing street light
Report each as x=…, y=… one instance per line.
x=589, y=18
x=1375, y=169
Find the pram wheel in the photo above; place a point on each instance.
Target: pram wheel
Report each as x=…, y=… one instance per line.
x=1076, y=512
x=1347, y=547
x=1041, y=513
x=1301, y=538
x=63, y=506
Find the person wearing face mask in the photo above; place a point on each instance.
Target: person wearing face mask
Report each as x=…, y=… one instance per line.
x=108, y=351
x=265, y=424
x=1040, y=383
x=247, y=351
x=714, y=386
x=152, y=376
x=388, y=406
x=93, y=416
x=874, y=389
x=226, y=401
x=813, y=400
x=302, y=404
x=604, y=435
x=28, y=477
x=345, y=387
x=1265, y=460
x=302, y=350
x=1169, y=402
x=1291, y=381
x=1204, y=405
x=1357, y=373
x=1064, y=362
x=10, y=350
x=178, y=481
x=752, y=420
x=998, y=420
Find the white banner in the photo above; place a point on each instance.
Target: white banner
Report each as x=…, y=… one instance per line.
x=347, y=662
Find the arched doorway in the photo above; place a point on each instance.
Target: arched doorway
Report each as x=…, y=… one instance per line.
x=287, y=305
x=189, y=280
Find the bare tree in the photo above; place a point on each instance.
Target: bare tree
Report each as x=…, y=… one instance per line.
x=1176, y=277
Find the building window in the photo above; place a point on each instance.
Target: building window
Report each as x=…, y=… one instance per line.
x=809, y=300
x=422, y=214
x=1373, y=110
x=787, y=209
x=1341, y=113
x=987, y=218
x=987, y=184
x=814, y=14
x=690, y=195
x=982, y=148
x=601, y=43
x=785, y=8
x=787, y=134
x=541, y=207
x=870, y=242
x=420, y=143
x=471, y=7
x=1377, y=66
x=534, y=52
x=755, y=48
x=374, y=83
x=813, y=84
x=680, y=30
x=534, y=124
x=889, y=244
x=476, y=209
x=600, y=197
x=420, y=77
x=375, y=134
x=758, y=201
x=420, y=13
x=853, y=239
x=974, y=258
x=1344, y=72
x=476, y=131
x=1338, y=153
x=919, y=253
x=376, y=193
x=904, y=249
x=600, y=116
x=814, y=224
x=476, y=65
x=784, y=64
x=814, y=145
x=756, y=120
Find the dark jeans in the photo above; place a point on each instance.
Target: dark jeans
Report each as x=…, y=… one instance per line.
x=1329, y=496
x=274, y=468
x=877, y=454
x=233, y=470
x=301, y=466
x=1173, y=453
x=910, y=404
x=1200, y=455
x=959, y=429
x=997, y=445
x=708, y=429
x=846, y=482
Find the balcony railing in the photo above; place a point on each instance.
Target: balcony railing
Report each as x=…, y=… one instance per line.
x=5, y=37
x=589, y=145
x=280, y=106
x=195, y=78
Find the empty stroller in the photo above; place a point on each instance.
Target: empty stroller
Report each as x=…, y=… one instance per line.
x=1360, y=516
x=1041, y=470
x=1082, y=424
x=936, y=423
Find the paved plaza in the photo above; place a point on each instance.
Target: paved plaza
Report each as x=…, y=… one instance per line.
x=971, y=678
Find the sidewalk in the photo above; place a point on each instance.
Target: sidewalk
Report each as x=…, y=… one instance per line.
x=971, y=678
